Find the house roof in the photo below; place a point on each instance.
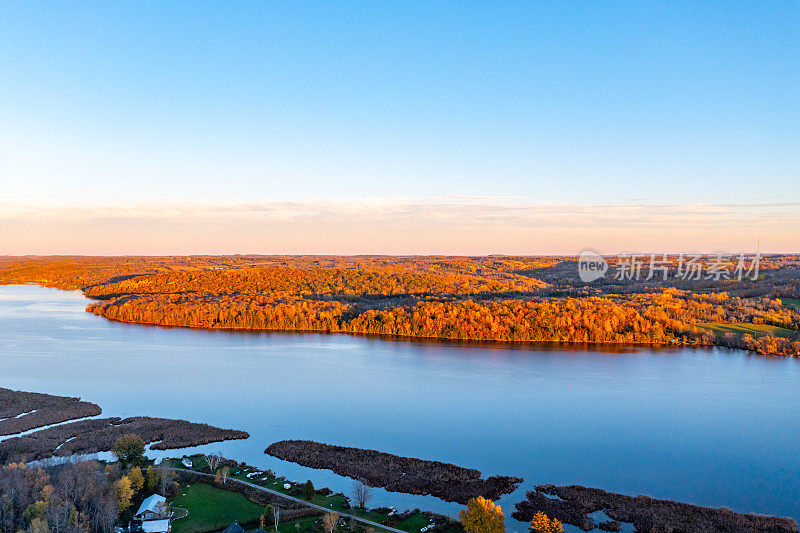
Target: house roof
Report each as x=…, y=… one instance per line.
x=154, y=503
x=234, y=528
x=155, y=526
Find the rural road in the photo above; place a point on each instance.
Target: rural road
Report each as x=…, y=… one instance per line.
x=292, y=498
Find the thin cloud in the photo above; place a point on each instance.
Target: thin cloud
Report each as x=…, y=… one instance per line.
x=456, y=225
x=474, y=210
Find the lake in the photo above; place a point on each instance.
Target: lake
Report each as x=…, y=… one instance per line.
x=712, y=427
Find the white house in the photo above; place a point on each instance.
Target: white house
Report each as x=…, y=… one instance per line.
x=153, y=508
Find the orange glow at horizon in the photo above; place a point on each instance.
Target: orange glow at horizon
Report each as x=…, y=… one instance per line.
x=400, y=227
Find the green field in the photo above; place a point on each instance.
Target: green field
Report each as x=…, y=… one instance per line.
x=250, y=511
x=212, y=509
x=335, y=502
x=746, y=328
x=306, y=524
x=791, y=303
x=413, y=523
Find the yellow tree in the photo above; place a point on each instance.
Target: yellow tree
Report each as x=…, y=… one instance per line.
x=541, y=523
x=152, y=479
x=137, y=479
x=124, y=492
x=482, y=516
x=223, y=473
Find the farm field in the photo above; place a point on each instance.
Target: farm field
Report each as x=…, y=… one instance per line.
x=751, y=329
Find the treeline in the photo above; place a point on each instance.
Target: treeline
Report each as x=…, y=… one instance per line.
x=640, y=318
x=763, y=344
x=671, y=316
x=80, y=496
x=285, y=281
x=480, y=298
x=70, y=498
x=779, y=275
x=83, y=272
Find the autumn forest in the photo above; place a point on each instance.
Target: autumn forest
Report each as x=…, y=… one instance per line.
x=507, y=299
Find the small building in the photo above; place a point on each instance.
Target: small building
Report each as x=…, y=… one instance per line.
x=187, y=462
x=234, y=528
x=156, y=526
x=153, y=508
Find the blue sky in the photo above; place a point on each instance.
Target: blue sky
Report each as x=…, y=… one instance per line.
x=567, y=103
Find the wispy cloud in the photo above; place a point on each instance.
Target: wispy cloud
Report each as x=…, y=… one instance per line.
x=395, y=225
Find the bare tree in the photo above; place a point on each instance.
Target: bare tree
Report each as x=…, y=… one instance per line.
x=329, y=521
x=213, y=460
x=224, y=473
x=361, y=493
x=79, y=496
x=106, y=514
x=165, y=478
x=276, y=516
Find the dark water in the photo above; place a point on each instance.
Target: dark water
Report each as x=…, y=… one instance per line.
x=711, y=427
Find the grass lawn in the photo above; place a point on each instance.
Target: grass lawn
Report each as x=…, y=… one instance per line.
x=212, y=509
x=413, y=523
x=199, y=463
x=743, y=328
x=306, y=524
x=791, y=303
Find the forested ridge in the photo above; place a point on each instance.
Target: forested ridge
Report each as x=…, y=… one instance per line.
x=481, y=298
x=288, y=281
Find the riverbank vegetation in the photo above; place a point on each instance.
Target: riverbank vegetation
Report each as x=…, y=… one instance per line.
x=100, y=434
x=22, y=411
x=573, y=504
x=395, y=473
x=510, y=299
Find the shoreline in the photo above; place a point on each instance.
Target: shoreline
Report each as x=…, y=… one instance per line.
x=702, y=335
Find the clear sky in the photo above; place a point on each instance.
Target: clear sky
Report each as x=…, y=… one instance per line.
x=399, y=127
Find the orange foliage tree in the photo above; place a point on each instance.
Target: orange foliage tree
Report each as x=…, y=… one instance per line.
x=482, y=516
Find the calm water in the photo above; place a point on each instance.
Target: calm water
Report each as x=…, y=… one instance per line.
x=712, y=427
